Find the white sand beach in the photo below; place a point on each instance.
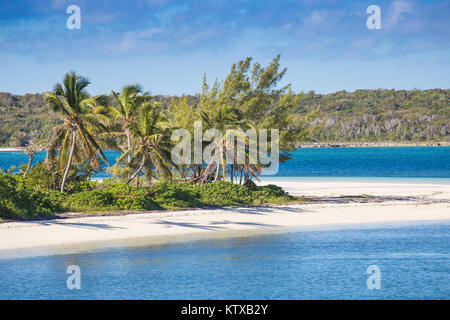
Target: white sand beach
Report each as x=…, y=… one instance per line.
x=11, y=149
x=322, y=188
x=431, y=202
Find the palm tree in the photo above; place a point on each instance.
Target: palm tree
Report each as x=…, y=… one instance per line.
x=128, y=103
x=83, y=117
x=226, y=122
x=152, y=147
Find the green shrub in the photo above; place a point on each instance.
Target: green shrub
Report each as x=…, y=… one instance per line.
x=20, y=200
x=222, y=193
x=118, y=196
x=137, y=200
x=271, y=194
x=175, y=196
x=129, y=197
x=40, y=176
x=33, y=197
x=93, y=200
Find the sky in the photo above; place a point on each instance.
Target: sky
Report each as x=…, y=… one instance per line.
x=168, y=45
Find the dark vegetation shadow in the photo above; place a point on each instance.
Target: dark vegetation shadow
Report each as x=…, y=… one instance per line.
x=265, y=209
x=213, y=226
x=92, y=226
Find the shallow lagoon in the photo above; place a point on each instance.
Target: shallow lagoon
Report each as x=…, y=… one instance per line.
x=311, y=263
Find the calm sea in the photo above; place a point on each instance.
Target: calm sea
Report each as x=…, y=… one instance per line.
x=330, y=263
x=413, y=262
x=346, y=163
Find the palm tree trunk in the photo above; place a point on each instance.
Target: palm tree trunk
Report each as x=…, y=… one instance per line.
x=29, y=165
x=246, y=178
x=128, y=144
x=222, y=162
x=197, y=171
x=69, y=162
x=240, y=178
x=231, y=173
x=208, y=167
x=127, y=131
x=137, y=171
x=217, y=172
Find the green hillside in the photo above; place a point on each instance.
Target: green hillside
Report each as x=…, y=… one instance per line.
x=363, y=115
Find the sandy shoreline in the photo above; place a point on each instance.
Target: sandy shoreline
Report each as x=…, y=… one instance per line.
x=11, y=149
x=320, y=188
x=89, y=230
x=427, y=203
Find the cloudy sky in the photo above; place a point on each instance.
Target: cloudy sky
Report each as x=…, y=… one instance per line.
x=167, y=45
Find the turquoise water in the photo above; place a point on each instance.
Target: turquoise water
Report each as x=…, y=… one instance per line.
x=417, y=163
x=15, y=159
x=401, y=162
x=331, y=263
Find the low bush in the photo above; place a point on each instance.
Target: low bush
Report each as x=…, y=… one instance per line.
x=175, y=196
x=29, y=199
x=222, y=193
x=93, y=200
x=21, y=201
x=111, y=198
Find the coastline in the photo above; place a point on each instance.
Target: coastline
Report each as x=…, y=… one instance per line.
x=331, y=145
x=100, y=232
x=424, y=202
x=12, y=149
x=372, y=144
x=427, y=191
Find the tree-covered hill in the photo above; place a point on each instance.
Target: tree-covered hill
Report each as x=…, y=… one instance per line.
x=363, y=115
x=381, y=115
x=26, y=116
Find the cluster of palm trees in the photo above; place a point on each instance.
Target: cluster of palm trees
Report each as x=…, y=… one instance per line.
x=91, y=122
x=141, y=129
x=231, y=129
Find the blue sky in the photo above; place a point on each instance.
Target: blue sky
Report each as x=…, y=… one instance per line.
x=167, y=45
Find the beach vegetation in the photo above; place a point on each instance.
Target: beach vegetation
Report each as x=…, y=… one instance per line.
x=21, y=201
x=24, y=199
x=139, y=126
x=83, y=116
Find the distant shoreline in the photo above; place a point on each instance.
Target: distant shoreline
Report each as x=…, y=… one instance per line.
x=12, y=149
x=370, y=144
x=327, y=145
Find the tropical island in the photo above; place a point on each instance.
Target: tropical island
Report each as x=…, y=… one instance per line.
x=144, y=156
x=139, y=126
x=146, y=180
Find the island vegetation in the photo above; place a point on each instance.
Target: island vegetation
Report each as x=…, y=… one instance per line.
x=138, y=125
x=381, y=115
